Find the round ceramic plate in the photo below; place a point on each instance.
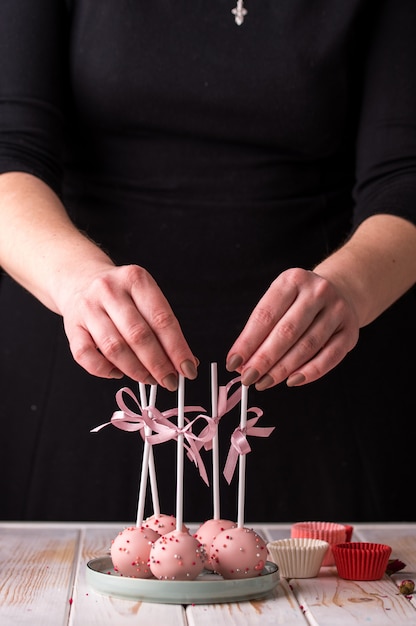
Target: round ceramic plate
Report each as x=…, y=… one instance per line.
x=208, y=588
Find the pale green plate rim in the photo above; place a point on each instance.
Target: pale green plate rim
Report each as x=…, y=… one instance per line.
x=208, y=588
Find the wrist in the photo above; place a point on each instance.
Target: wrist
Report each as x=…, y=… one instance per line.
x=337, y=270
x=74, y=264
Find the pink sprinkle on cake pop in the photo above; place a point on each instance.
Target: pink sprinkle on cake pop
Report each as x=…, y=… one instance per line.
x=208, y=531
x=238, y=553
x=177, y=556
x=162, y=523
x=130, y=551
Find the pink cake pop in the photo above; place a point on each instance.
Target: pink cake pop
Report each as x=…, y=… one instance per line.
x=177, y=556
x=130, y=551
x=162, y=523
x=212, y=527
x=207, y=532
x=238, y=553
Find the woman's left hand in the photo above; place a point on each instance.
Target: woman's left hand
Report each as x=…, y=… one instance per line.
x=302, y=327
x=307, y=322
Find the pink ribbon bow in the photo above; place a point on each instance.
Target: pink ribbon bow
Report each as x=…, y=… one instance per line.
x=159, y=422
x=239, y=444
x=225, y=404
x=125, y=419
x=165, y=430
x=130, y=421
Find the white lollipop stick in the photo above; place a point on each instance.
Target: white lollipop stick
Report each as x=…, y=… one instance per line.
x=242, y=460
x=152, y=470
x=147, y=456
x=215, y=446
x=180, y=454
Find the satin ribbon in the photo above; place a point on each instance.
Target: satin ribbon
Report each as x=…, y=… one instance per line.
x=165, y=430
x=130, y=421
x=240, y=445
x=225, y=404
x=159, y=422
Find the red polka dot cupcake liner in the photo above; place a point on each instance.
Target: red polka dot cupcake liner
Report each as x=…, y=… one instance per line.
x=361, y=560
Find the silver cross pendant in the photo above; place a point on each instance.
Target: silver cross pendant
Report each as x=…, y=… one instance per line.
x=239, y=12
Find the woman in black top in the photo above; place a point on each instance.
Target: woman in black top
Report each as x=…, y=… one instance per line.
x=264, y=169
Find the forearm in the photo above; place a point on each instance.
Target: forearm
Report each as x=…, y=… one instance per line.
x=375, y=267
x=39, y=246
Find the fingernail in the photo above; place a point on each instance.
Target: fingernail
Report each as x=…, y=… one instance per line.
x=170, y=382
x=150, y=380
x=249, y=376
x=264, y=383
x=234, y=362
x=295, y=379
x=115, y=373
x=189, y=369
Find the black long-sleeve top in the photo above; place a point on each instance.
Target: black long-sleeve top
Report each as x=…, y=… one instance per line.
x=216, y=156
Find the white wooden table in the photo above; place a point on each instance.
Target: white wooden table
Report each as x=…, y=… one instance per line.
x=43, y=582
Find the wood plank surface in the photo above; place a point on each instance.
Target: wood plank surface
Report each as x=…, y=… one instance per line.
x=92, y=609
x=43, y=582
x=36, y=575
x=402, y=539
x=279, y=608
x=329, y=600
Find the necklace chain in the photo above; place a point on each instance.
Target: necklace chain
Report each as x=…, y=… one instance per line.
x=239, y=12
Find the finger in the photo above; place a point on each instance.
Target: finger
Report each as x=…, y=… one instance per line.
x=298, y=369
x=135, y=348
x=159, y=316
x=279, y=358
x=133, y=303
x=99, y=348
x=267, y=313
x=302, y=326
x=85, y=353
x=323, y=362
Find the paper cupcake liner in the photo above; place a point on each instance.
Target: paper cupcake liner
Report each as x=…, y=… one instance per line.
x=326, y=531
x=348, y=532
x=361, y=560
x=298, y=557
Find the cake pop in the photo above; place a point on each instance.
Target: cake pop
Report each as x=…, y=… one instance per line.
x=162, y=523
x=212, y=527
x=177, y=556
x=238, y=553
x=207, y=532
x=130, y=551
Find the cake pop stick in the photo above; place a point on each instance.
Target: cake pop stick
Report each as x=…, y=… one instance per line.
x=242, y=460
x=180, y=454
x=178, y=555
x=239, y=552
x=209, y=529
x=146, y=456
x=152, y=469
x=215, y=444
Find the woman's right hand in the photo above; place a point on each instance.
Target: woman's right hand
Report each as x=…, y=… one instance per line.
x=118, y=322
x=116, y=319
